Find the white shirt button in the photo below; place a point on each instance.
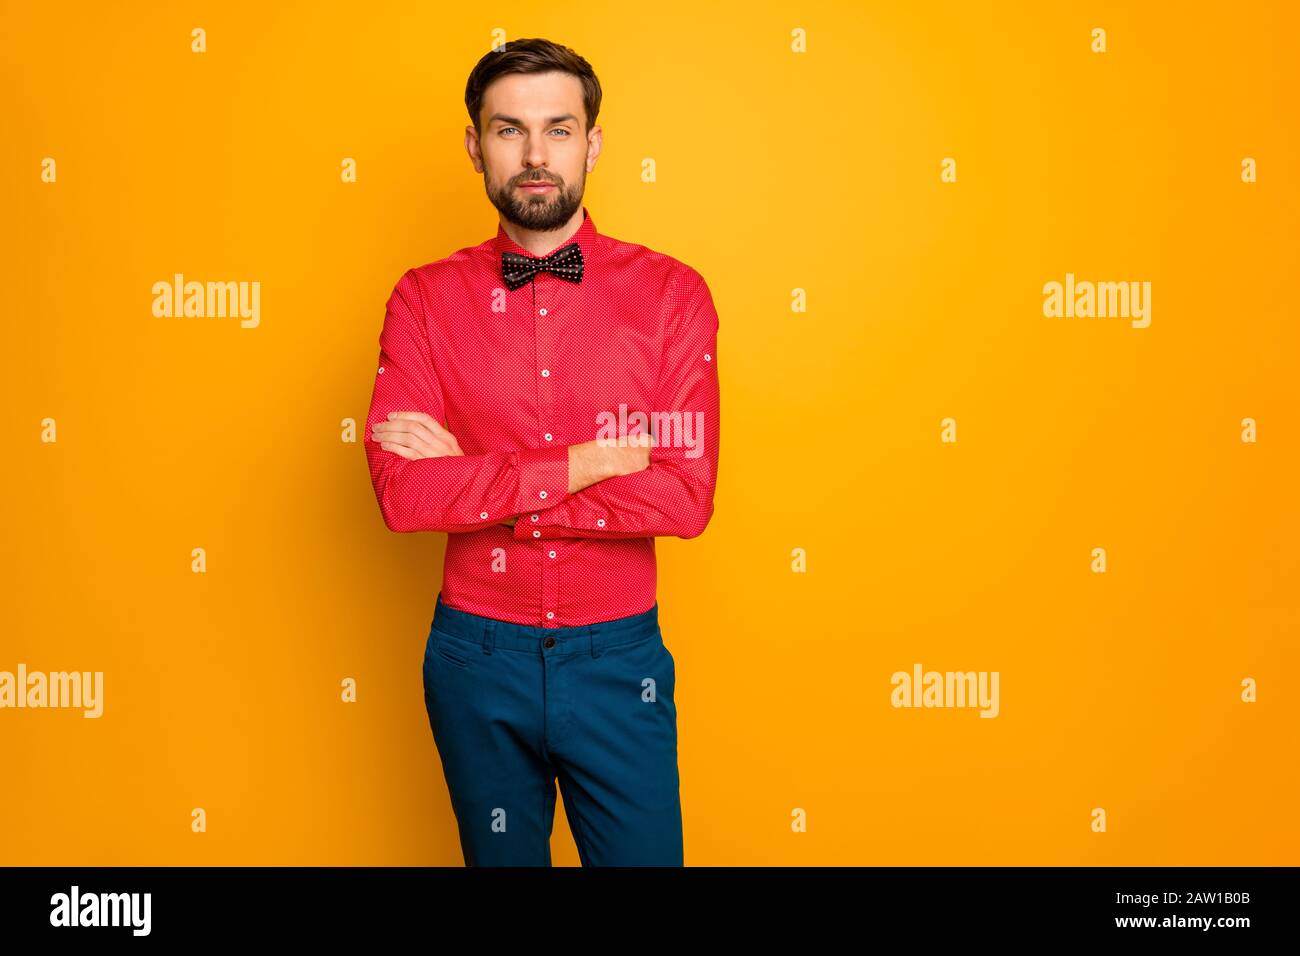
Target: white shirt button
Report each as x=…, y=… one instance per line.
x=600, y=522
x=541, y=311
x=550, y=614
x=534, y=517
x=482, y=514
x=537, y=534
x=552, y=554
x=541, y=494
x=546, y=372
x=706, y=357
x=547, y=436
x=381, y=370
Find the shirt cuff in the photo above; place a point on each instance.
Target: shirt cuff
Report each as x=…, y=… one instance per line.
x=543, y=477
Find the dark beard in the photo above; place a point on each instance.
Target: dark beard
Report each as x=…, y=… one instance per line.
x=536, y=213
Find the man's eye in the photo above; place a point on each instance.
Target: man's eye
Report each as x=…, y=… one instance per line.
x=516, y=129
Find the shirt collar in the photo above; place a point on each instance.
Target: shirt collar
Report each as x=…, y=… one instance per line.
x=585, y=237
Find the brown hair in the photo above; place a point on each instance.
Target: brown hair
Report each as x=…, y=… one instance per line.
x=531, y=55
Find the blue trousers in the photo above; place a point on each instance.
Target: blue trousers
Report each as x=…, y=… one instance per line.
x=513, y=707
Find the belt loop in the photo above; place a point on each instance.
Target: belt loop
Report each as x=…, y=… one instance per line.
x=597, y=644
x=489, y=637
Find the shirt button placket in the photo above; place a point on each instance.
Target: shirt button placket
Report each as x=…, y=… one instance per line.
x=543, y=319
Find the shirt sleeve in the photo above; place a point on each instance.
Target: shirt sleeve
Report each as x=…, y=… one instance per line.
x=449, y=493
x=673, y=495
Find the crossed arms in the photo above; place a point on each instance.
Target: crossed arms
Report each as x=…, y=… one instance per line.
x=643, y=488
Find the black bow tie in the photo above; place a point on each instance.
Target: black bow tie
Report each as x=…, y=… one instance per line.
x=565, y=262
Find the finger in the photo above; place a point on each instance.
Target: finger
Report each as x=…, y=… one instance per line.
x=418, y=435
x=436, y=443
x=386, y=424
x=434, y=425
x=420, y=439
x=418, y=446
x=399, y=449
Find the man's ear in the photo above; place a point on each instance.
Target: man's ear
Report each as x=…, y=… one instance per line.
x=474, y=148
x=594, y=144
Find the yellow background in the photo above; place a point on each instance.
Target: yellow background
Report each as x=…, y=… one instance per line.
x=776, y=171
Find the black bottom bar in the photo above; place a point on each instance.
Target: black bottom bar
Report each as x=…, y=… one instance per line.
x=439, y=906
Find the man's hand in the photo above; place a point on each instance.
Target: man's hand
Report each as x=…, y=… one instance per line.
x=630, y=454
x=415, y=435
x=601, y=458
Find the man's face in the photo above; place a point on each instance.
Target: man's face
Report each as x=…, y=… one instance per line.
x=533, y=132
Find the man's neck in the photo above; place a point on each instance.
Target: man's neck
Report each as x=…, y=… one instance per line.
x=543, y=243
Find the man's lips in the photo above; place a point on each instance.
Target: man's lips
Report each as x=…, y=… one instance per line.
x=539, y=185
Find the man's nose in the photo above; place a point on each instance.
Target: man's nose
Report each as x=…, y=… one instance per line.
x=536, y=155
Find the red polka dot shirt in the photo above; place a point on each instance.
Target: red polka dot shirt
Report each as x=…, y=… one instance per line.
x=519, y=375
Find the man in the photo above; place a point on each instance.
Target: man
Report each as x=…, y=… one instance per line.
x=549, y=399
